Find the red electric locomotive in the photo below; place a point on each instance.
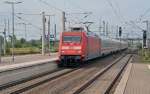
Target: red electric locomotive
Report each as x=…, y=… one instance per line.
x=78, y=46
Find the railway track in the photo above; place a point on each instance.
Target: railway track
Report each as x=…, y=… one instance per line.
x=58, y=82
x=18, y=86
x=20, y=73
x=104, y=80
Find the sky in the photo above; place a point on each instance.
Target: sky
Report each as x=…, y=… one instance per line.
x=125, y=13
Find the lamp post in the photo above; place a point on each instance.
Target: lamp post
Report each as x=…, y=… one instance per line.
x=12, y=4
x=43, y=34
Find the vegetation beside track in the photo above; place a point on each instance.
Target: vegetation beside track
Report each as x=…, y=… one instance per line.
x=145, y=55
x=23, y=46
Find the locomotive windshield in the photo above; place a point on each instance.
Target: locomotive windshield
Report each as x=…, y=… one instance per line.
x=71, y=38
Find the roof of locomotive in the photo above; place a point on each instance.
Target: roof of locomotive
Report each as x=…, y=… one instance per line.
x=71, y=33
x=75, y=30
x=81, y=32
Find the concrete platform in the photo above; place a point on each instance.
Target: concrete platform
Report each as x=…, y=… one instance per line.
x=139, y=80
x=136, y=80
x=26, y=58
x=25, y=61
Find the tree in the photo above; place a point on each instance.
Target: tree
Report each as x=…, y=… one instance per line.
x=22, y=41
x=1, y=43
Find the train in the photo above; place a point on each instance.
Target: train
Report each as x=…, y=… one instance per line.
x=79, y=46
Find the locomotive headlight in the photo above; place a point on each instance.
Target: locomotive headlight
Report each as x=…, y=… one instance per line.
x=79, y=51
x=62, y=51
x=77, y=48
x=64, y=47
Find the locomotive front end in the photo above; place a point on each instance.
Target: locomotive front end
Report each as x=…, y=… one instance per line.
x=71, y=48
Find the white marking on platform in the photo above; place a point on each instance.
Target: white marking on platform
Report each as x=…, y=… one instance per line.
x=149, y=66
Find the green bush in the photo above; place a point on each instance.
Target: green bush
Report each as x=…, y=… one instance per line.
x=29, y=50
x=145, y=54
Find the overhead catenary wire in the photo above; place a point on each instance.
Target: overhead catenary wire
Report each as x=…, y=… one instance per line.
x=49, y=5
x=20, y=18
x=132, y=23
x=75, y=5
x=119, y=10
x=140, y=19
x=136, y=25
x=144, y=14
x=120, y=16
x=114, y=10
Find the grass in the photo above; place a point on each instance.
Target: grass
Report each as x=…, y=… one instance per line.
x=145, y=55
x=30, y=50
x=27, y=50
x=54, y=49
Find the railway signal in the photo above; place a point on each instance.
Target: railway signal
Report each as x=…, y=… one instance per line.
x=120, y=31
x=144, y=38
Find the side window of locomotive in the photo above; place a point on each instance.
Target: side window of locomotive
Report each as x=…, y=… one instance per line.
x=72, y=39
